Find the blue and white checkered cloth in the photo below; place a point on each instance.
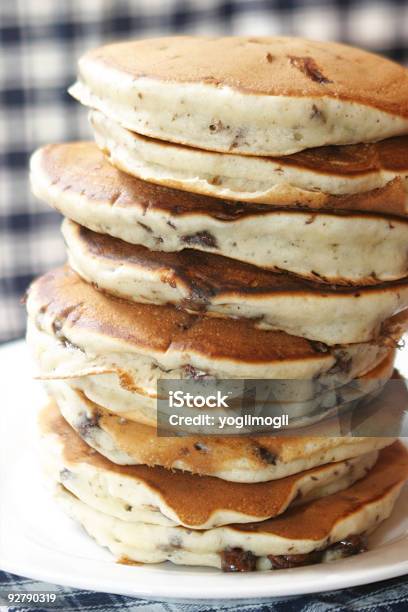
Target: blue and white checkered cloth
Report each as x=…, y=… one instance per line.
x=389, y=596
x=40, y=41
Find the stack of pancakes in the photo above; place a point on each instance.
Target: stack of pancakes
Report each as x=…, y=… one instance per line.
x=242, y=215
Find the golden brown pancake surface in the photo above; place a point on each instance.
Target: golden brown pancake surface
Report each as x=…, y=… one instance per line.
x=205, y=454
x=280, y=66
x=81, y=168
x=316, y=519
x=68, y=300
x=208, y=274
x=194, y=498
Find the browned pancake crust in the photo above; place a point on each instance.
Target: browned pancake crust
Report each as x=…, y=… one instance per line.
x=82, y=169
x=193, y=498
x=280, y=66
x=209, y=454
x=333, y=160
x=206, y=275
x=69, y=301
x=316, y=519
x=354, y=160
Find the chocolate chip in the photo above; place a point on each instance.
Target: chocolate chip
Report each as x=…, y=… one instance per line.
x=200, y=294
x=308, y=66
x=352, y=545
x=343, y=363
x=288, y=561
x=317, y=114
x=56, y=327
x=217, y=126
x=174, y=543
x=310, y=219
x=87, y=424
x=319, y=347
x=69, y=344
x=145, y=227
x=192, y=373
x=317, y=275
x=265, y=455
x=237, y=560
x=269, y=58
x=204, y=239
x=238, y=139
x=200, y=446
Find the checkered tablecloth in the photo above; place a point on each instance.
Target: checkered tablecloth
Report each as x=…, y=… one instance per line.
x=40, y=41
x=389, y=596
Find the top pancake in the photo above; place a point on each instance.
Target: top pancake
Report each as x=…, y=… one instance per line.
x=250, y=95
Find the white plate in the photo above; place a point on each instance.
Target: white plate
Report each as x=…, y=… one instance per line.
x=38, y=541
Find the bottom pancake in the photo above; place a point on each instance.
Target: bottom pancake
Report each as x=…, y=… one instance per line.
x=321, y=530
x=236, y=458
x=170, y=497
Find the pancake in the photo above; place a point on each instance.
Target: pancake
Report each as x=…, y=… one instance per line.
x=203, y=282
x=321, y=530
x=258, y=96
x=348, y=247
x=370, y=177
x=254, y=458
x=143, y=342
x=132, y=391
x=164, y=497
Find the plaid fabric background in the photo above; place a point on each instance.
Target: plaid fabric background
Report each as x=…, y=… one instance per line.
x=389, y=596
x=40, y=42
